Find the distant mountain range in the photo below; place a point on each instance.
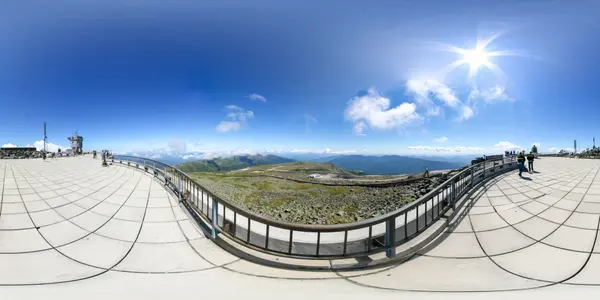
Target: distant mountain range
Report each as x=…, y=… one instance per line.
x=391, y=164
x=327, y=157
x=369, y=165
x=232, y=163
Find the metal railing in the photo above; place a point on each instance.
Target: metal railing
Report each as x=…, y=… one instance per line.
x=366, y=237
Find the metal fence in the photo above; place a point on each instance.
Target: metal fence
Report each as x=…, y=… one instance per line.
x=382, y=233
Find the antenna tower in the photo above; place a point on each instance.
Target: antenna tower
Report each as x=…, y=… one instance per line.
x=45, y=138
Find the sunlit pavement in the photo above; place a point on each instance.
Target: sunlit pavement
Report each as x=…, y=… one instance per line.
x=70, y=228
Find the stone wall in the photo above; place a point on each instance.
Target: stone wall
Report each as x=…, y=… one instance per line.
x=19, y=153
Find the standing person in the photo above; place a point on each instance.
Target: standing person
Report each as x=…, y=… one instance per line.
x=530, y=158
x=521, y=163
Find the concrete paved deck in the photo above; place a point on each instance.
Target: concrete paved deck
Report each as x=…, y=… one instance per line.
x=70, y=229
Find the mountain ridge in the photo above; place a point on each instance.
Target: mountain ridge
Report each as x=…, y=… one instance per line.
x=232, y=163
x=358, y=164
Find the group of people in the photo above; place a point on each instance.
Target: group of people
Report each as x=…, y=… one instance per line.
x=521, y=162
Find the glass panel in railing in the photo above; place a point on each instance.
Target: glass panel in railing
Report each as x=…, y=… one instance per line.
x=435, y=208
x=421, y=211
x=401, y=222
x=431, y=209
x=228, y=219
x=304, y=243
x=332, y=243
x=204, y=203
x=279, y=239
x=242, y=223
x=258, y=233
x=220, y=213
x=193, y=195
x=411, y=223
x=357, y=240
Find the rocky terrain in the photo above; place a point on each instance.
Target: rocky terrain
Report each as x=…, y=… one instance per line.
x=19, y=153
x=313, y=203
x=593, y=153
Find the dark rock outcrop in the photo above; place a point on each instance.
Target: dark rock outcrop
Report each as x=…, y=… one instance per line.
x=19, y=153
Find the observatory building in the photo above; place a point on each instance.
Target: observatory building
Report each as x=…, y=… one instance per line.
x=76, y=144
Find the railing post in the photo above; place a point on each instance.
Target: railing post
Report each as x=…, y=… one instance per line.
x=165, y=175
x=215, y=216
x=453, y=194
x=180, y=187
x=390, y=237
x=484, y=169
x=472, y=175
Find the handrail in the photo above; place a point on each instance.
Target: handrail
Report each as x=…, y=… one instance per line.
x=221, y=216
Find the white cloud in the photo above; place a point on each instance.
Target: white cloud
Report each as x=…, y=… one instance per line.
x=238, y=116
x=257, y=97
x=225, y=153
x=556, y=150
x=493, y=94
x=330, y=151
x=226, y=126
x=499, y=148
x=194, y=156
x=359, y=128
x=423, y=88
x=39, y=145
x=308, y=121
x=426, y=90
x=9, y=145
x=458, y=149
x=156, y=156
x=177, y=145
x=431, y=95
x=507, y=146
x=373, y=111
x=466, y=113
x=441, y=139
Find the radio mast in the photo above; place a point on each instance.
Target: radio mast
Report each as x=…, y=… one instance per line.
x=45, y=138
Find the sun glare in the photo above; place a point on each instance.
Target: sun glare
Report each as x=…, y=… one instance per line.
x=476, y=58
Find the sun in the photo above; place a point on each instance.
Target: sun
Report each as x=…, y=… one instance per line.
x=476, y=58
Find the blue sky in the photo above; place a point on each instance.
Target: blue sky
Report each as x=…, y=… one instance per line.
x=334, y=76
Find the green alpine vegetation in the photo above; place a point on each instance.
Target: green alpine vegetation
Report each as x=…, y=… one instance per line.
x=222, y=164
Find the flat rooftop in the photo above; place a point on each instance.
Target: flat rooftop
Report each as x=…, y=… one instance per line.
x=70, y=228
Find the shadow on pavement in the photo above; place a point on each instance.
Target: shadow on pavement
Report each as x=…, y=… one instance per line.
x=526, y=178
x=461, y=215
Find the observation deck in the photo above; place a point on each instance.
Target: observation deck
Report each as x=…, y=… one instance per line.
x=137, y=229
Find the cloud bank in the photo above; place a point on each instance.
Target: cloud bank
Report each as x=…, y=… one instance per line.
x=257, y=97
x=238, y=119
x=372, y=111
x=428, y=98
x=39, y=145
